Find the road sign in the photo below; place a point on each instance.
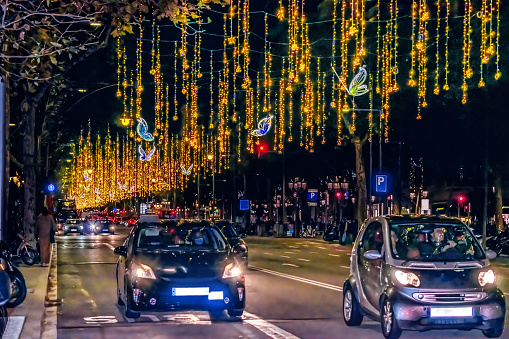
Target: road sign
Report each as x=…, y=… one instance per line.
x=244, y=205
x=312, y=204
x=313, y=195
x=381, y=183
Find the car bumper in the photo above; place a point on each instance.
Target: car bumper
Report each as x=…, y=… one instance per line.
x=160, y=295
x=72, y=230
x=104, y=230
x=416, y=316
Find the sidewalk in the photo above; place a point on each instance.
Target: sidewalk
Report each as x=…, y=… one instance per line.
x=25, y=320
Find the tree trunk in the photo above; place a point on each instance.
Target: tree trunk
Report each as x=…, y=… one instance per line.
x=7, y=152
x=361, y=181
x=499, y=221
x=30, y=183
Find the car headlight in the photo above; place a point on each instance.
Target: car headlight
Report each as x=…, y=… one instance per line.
x=487, y=277
x=407, y=278
x=143, y=271
x=81, y=227
x=98, y=228
x=231, y=271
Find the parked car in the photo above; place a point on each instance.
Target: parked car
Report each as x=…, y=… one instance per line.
x=422, y=273
x=163, y=266
x=235, y=240
x=102, y=226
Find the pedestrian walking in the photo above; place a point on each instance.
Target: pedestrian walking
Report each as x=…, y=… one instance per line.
x=45, y=226
x=354, y=227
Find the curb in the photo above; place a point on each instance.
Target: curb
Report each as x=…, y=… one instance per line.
x=49, y=318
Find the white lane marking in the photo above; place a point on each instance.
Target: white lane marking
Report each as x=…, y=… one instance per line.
x=293, y=246
x=14, y=327
x=347, y=267
x=303, y=280
x=245, y=330
x=289, y=252
x=333, y=255
x=506, y=294
x=151, y=317
x=267, y=253
x=284, y=256
x=102, y=319
x=321, y=247
x=267, y=328
x=287, y=264
x=314, y=252
x=109, y=245
x=303, y=259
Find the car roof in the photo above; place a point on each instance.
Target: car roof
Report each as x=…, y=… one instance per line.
x=402, y=219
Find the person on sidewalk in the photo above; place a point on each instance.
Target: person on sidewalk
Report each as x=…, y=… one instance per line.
x=43, y=226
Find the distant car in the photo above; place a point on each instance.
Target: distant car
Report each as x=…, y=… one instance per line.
x=163, y=266
x=131, y=222
x=235, y=240
x=102, y=226
x=422, y=273
x=73, y=226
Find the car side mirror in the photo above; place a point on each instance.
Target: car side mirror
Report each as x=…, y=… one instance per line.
x=491, y=254
x=372, y=255
x=121, y=250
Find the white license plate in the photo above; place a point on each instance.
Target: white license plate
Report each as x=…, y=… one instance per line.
x=216, y=295
x=189, y=291
x=451, y=312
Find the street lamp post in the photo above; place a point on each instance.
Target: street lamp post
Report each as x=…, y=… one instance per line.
x=297, y=185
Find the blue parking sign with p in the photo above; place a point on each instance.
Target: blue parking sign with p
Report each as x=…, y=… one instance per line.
x=312, y=195
x=381, y=183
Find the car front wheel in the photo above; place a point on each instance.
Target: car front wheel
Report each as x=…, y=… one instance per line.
x=390, y=328
x=351, y=310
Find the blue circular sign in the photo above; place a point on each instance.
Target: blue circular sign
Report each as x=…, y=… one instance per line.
x=51, y=188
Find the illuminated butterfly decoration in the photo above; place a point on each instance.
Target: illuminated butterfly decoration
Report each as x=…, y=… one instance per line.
x=263, y=126
x=357, y=87
x=85, y=175
x=97, y=191
x=144, y=156
x=131, y=190
x=143, y=130
x=86, y=187
x=186, y=171
x=82, y=196
x=122, y=187
x=112, y=195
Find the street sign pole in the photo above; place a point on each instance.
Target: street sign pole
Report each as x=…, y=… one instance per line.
x=3, y=174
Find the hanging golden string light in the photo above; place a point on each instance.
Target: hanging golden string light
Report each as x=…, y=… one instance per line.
x=413, y=53
x=467, y=45
x=446, y=69
x=139, y=84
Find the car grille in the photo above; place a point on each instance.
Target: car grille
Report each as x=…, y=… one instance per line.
x=449, y=297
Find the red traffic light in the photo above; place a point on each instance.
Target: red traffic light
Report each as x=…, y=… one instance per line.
x=461, y=198
x=338, y=194
x=262, y=149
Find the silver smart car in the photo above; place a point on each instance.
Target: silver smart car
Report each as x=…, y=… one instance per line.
x=421, y=273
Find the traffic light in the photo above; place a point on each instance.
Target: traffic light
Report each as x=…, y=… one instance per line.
x=263, y=149
x=338, y=195
x=461, y=198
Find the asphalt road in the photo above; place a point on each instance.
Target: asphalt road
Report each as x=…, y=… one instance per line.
x=294, y=290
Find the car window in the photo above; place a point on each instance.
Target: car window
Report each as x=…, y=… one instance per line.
x=372, y=238
x=433, y=241
x=187, y=237
x=221, y=243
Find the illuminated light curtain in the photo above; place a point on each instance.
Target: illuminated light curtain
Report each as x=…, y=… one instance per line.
x=467, y=46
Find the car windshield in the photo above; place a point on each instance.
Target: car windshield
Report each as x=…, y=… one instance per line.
x=433, y=242
x=228, y=230
x=183, y=237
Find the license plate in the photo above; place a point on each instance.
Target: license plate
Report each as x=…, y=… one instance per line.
x=216, y=295
x=74, y=229
x=189, y=291
x=451, y=312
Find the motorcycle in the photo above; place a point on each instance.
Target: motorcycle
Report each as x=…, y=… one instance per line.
x=18, y=246
x=331, y=233
x=18, y=284
x=499, y=243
